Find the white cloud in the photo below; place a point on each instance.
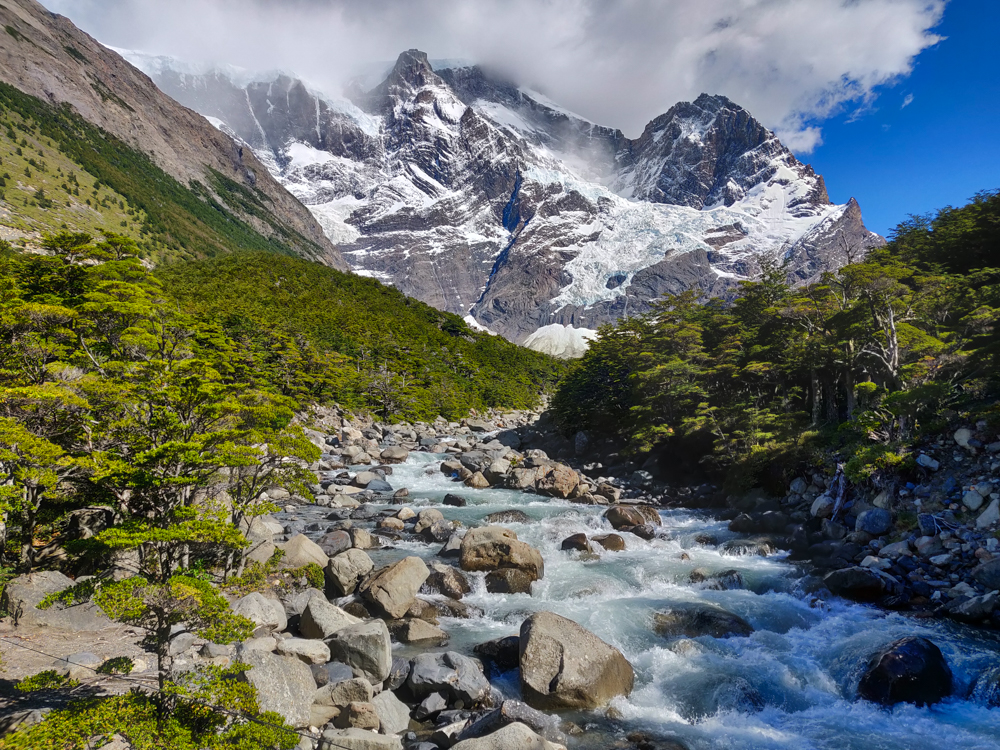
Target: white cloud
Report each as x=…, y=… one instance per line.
x=792, y=63
x=907, y=101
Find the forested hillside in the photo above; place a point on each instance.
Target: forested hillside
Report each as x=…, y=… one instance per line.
x=863, y=361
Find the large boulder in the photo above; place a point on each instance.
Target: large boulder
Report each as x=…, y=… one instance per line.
x=627, y=516
x=693, y=620
x=988, y=574
x=345, y=571
x=366, y=648
x=560, y=482
x=516, y=736
x=451, y=674
x=358, y=739
x=267, y=614
x=284, y=684
x=509, y=581
x=876, y=522
x=307, y=650
x=394, y=454
x=335, y=542
x=856, y=583
x=511, y=712
x=493, y=547
x=910, y=670
x=393, y=714
x=321, y=619
x=301, y=550
x=564, y=666
x=393, y=589
x=22, y=595
x=447, y=580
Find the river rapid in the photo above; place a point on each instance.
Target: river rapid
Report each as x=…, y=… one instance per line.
x=789, y=685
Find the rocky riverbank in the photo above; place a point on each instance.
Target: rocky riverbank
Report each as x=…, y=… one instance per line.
x=377, y=657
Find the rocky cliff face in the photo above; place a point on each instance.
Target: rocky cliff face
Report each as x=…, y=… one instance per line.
x=490, y=201
x=46, y=56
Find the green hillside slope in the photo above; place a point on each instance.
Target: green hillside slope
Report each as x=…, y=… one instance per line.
x=399, y=356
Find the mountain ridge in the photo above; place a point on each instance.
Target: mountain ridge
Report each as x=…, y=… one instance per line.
x=485, y=199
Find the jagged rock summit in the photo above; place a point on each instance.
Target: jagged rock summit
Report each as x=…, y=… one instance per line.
x=490, y=201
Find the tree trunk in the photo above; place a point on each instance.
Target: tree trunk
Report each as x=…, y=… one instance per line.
x=849, y=391
x=817, y=402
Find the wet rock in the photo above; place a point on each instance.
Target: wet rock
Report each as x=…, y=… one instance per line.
x=976, y=609
x=694, y=620
x=909, y=670
x=644, y=531
x=737, y=694
x=366, y=648
x=746, y=547
x=394, y=455
x=560, y=482
x=398, y=673
x=431, y=706
x=453, y=547
x=345, y=571
x=393, y=589
x=477, y=481
x=986, y=689
x=507, y=516
x=564, y=666
x=284, y=684
x=509, y=581
x=502, y=653
x=626, y=516
x=456, y=501
x=451, y=674
x=576, y=542
x=492, y=547
x=856, y=583
x=610, y=542
x=721, y=581
x=447, y=580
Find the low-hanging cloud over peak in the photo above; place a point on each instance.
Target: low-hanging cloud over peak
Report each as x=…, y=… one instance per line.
x=620, y=63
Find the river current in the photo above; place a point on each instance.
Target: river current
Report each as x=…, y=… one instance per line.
x=788, y=686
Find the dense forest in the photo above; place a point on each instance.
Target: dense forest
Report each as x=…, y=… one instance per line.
x=861, y=362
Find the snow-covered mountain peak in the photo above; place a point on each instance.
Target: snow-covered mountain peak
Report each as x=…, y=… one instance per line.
x=487, y=199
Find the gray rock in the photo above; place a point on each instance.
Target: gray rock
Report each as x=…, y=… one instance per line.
x=415, y=630
x=321, y=619
x=509, y=581
x=447, y=580
x=507, y=516
x=514, y=736
x=510, y=712
x=910, y=670
x=308, y=650
x=267, y=614
x=431, y=706
x=927, y=462
x=876, y=522
x=856, y=583
x=988, y=574
x=301, y=550
x=976, y=609
x=393, y=714
x=972, y=500
x=358, y=739
x=450, y=673
x=366, y=647
x=694, y=620
x=335, y=542
x=963, y=436
x=22, y=594
x=989, y=516
x=340, y=694
x=181, y=642
x=393, y=589
x=345, y=571
x=822, y=506
x=78, y=666
x=453, y=547
x=564, y=666
x=492, y=547
x=284, y=684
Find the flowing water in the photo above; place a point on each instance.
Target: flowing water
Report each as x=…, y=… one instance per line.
x=790, y=685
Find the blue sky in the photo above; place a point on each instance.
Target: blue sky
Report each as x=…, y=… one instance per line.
x=941, y=148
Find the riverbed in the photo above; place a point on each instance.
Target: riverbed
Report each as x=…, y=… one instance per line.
x=789, y=685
